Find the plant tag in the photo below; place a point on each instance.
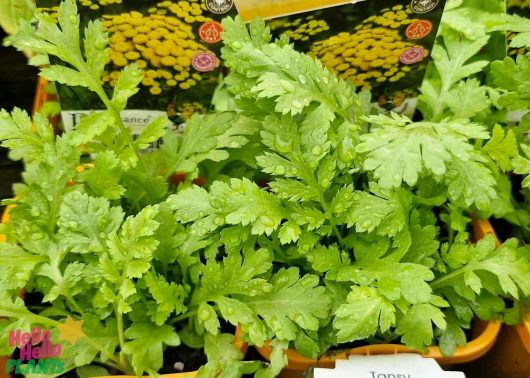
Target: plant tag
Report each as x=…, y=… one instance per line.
x=383, y=46
x=387, y=366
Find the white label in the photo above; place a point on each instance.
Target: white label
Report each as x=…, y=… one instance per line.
x=137, y=120
x=406, y=365
x=516, y=116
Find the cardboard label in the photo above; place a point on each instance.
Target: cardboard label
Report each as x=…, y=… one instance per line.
x=383, y=46
x=386, y=366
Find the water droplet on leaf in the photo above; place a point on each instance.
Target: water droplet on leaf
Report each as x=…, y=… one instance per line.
x=282, y=145
x=366, y=224
x=279, y=170
x=204, y=315
x=316, y=150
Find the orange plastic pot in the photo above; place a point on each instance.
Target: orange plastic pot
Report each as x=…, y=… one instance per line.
x=484, y=335
x=41, y=97
x=3, y=359
x=176, y=375
x=510, y=357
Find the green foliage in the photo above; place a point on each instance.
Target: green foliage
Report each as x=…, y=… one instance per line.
x=351, y=204
x=360, y=232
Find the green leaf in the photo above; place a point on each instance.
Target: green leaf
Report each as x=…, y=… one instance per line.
x=90, y=127
x=25, y=142
x=12, y=11
x=471, y=182
x=169, y=296
x=365, y=313
x=293, y=302
x=17, y=266
x=521, y=165
x=206, y=138
x=400, y=153
x=501, y=147
x=86, y=222
x=385, y=213
x=452, y=336
x=89, y=371
x=468, y=99
x=240, y=202
x=508, y=267
x=224, y=357
x=289, y=232
x=104, y=179
x=127, y=86
x=270, y=74
x=146, y=345
x=416, y=326
x=153, y=132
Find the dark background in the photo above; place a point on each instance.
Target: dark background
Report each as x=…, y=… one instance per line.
x=18, y=81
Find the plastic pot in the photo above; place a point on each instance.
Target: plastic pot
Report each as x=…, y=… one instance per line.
x=484, y=335
x=41, y=97
x=510, y=357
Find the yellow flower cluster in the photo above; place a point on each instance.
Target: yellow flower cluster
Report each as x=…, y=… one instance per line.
x=518, y=3
x=190, y=11
x=96, y=4
x=370, y=55
x=515, y=51
x=53, y=12
x=299, y=29
x=162, y=46
x=188, y=109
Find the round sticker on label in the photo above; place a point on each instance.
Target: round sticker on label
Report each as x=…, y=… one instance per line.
x=423, y=6
x=412, y=55
x=210, y=32
x=219, y=6
x=204, y=61
x=418, y=29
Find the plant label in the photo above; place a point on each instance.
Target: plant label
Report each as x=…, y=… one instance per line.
x=387, y=366
x=382, y=46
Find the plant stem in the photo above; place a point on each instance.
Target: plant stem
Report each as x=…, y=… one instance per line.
x=186, y=315
x=325, y=207
x=121, y=336
x=444, y=280
x=74, y=304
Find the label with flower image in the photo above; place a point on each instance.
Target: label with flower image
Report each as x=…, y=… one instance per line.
x=382, y=46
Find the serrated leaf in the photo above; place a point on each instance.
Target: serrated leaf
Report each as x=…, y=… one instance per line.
x=416, y=327
x=502, y=147
x=365, y=313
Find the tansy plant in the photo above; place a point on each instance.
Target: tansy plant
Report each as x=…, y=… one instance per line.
x=465, y=81
x=96, y=242
x=371, y=211
x=360, y=234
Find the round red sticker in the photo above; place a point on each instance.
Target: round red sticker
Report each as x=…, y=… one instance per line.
x=204, y=61
x=418, y=29
x=210, y=32
x=412, y=55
